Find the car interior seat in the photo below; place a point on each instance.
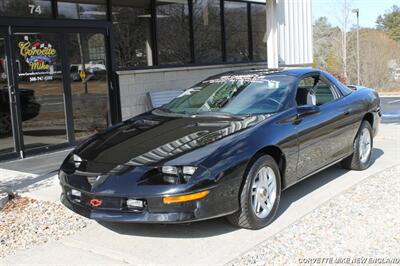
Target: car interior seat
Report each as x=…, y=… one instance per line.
x=311, y=98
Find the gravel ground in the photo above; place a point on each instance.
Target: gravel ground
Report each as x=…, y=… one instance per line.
x=362, y=223
x=26, y=222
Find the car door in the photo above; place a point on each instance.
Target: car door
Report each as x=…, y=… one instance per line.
x=321, y=132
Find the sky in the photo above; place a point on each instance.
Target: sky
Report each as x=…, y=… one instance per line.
x=369, y=10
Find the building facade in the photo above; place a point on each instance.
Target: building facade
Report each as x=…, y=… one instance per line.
x=70, y=68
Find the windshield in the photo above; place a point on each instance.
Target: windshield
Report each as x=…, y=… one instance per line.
x=238, y=95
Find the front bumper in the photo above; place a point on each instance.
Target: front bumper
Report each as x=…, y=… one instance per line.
x=213, y=205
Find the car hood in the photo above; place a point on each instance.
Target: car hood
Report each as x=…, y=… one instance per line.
x=151, y=139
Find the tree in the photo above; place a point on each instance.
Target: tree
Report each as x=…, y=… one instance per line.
x=377, y=49
x=343, y=18
x=326, y=40
x=390, y=23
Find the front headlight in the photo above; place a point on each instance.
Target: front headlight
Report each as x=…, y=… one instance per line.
x=177, y=174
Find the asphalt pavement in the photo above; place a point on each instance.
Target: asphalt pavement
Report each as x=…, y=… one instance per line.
x=390, y=109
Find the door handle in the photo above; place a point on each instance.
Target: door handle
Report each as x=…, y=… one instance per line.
x=347, y=113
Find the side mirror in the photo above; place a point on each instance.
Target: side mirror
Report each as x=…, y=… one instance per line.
x=308, y=109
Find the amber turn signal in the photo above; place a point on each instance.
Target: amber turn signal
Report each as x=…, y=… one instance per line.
x=184, y=198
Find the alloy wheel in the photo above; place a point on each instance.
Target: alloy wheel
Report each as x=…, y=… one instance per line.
x=365, y=145
x=263, y=192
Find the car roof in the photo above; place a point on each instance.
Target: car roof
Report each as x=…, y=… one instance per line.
x=297, y=72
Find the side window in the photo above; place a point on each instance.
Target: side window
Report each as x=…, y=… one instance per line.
x=314, y=91
x=304, y=89
x=324, y=93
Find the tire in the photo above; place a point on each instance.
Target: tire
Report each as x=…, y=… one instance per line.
x=259, y=171
x=361, y=157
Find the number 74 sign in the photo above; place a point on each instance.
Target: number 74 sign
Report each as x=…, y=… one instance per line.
x=35, y=9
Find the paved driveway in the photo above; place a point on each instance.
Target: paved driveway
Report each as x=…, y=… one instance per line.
x=390, y=109
x=209, y=242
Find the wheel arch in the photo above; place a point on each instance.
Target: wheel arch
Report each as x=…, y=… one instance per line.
x=276, y=153
x=370, y=118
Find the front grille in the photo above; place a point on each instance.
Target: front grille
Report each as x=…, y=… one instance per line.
x=108, y=203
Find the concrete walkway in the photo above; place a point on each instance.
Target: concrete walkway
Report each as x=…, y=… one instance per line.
x=211, y=242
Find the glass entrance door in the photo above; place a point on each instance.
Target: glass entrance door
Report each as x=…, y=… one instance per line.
x=58, y=85
x=41, y=89
x=6, y=133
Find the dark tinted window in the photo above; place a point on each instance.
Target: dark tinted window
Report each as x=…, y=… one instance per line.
x=173, y=32
x=207, y=31
x=26, y=8
x=82, y=9
x=132, y=33
x=236, y=32
x=259, y=24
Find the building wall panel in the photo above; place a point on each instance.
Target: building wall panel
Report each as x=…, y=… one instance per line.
x=294, y=32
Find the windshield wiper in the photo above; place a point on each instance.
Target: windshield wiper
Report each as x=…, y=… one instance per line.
x=167, y=112
x=220, y=115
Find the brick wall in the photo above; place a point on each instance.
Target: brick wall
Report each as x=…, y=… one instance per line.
x=134, y=84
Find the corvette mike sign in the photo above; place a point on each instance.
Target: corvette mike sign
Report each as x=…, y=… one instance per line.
x=38, y=55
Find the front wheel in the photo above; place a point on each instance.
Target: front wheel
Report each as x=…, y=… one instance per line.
x=363, y=144
x=259, y=198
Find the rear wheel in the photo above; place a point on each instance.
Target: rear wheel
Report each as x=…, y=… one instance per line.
x=259, y=198
x=363, y=144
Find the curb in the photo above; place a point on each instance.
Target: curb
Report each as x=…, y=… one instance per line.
x=3, y=199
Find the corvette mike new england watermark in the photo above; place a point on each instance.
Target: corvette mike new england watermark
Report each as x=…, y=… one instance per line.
x=349, y=260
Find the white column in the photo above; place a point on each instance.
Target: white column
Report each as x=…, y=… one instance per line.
x=294, y=18
x=272, y=35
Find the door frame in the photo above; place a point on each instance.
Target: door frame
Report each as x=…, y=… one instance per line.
x=61, y=26
x=12, y=96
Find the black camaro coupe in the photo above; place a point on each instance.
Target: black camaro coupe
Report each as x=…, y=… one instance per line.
x=227, y=146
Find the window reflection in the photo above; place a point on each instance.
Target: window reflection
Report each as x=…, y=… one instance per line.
x=236, y=32
x=89, y=86
x=82, y=9
x=207, y=31
x=173, y=32
x=259, y=24
x=131, y=23
x=25, y=8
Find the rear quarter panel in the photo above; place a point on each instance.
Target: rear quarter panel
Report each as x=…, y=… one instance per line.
x=362, y=101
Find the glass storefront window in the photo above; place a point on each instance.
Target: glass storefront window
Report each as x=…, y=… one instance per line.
x=26, y=8
x=259, y=24
x=236, y=32
x=132, y=33
x=89, y=86
x=173, y=32
x=82, y=9
x=207, y=31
